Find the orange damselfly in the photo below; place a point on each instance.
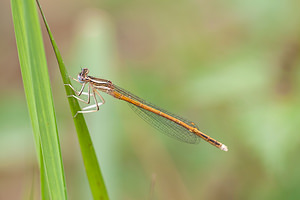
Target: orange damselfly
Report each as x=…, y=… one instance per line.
x=168, y=123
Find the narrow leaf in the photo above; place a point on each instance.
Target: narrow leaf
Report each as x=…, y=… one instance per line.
x=39, y=97
x=88, y=152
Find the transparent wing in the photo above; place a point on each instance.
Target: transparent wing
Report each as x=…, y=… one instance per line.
x=165, y=125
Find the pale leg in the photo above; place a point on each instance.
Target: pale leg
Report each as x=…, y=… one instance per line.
x=84, y=93
x=95, y=105
x=77, y=93
x=85, y=110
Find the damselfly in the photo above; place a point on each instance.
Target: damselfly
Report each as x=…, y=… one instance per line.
x=168, y=123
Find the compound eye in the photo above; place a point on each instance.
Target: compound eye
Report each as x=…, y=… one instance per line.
x=80, y=78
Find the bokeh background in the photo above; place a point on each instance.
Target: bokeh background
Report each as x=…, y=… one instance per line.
x=230, y=66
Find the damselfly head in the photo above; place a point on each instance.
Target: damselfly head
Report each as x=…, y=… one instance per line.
x=82, y=75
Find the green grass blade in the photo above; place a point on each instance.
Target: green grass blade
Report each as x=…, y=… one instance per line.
x=39, y=97
x=91, y=164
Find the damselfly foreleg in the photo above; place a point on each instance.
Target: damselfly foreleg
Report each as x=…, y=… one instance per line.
x=80, y=93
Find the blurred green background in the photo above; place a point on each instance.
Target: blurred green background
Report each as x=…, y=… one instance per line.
x=232, y=67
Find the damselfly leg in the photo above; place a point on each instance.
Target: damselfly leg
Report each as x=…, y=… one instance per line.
x=79, y=93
